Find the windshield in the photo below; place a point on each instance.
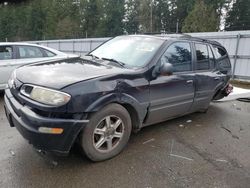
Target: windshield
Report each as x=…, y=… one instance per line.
x=132, y=51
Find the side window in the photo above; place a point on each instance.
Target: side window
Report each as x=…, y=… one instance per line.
x=48, y=53
x=179, y=55
x=202, y=57
x=222, y=58
x=219, y=52
x=211, y=57
x=6, y=52
x=29, y=52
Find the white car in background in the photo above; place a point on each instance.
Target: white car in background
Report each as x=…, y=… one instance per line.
x=13, y=55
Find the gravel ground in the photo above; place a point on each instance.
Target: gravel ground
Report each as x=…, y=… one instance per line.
x=199, y=150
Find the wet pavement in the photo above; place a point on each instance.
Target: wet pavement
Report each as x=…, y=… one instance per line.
x=199, y=150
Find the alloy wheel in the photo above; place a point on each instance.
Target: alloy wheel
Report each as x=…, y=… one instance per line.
x=108, y=133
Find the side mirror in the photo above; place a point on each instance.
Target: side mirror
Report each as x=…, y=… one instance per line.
x=166, y=69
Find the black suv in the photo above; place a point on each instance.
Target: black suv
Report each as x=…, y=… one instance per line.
x=125, y=84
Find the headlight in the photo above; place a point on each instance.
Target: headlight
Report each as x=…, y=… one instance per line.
x=45, y=96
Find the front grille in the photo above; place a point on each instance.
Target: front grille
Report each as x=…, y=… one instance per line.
x=18, y=84
x=58, y=115
x=14, y=86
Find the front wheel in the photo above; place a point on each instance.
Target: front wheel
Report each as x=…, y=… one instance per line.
x=107, y=133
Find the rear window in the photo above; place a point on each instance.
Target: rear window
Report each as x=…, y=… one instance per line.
x=48, y=53
x=6, y=52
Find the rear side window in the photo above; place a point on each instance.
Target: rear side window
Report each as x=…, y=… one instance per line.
x=179, y=55
x=48, y=53
x=222, y=58
x=202, y=56
x=6, y=52
x=29, y=52
x=219, y=52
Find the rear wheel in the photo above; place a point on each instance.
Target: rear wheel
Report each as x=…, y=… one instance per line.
x=107, y=133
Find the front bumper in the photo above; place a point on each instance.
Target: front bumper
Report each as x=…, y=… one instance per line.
x=28, y=122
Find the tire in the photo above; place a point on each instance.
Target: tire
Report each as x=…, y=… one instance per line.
x=107, y=133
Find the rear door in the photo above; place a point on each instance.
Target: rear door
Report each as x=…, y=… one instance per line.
x=207, y=77
x=172, y=95
x=7, y=57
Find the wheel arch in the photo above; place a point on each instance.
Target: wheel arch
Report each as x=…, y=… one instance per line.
x=136, y=124
x=218, y=94
x=136, y=110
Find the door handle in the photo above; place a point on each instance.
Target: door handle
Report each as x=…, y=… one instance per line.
x=217, y=78
x=190, y=81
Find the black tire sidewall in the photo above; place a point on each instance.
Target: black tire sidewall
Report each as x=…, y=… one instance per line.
x=87, y=134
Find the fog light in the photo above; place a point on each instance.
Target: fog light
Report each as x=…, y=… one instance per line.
x=48, y=130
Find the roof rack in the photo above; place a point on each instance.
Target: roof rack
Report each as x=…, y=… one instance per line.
x=181, y=35
x=175, y=35
x=167, y=34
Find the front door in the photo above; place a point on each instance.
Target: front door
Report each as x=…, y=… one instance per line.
x=172, y=95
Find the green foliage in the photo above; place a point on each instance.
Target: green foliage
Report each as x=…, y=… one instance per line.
x=111, y=19
x=131, y=16
x=203, y=18
x=163, y=18
x=183, y=8
x=92, y=17
x=238, y=18
x=58, y=19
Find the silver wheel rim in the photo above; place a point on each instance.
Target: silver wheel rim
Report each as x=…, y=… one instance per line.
x=108, y=133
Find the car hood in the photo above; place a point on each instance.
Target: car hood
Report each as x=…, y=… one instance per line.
x=61, y=73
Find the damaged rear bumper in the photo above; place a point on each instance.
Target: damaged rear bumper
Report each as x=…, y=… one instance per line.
x=224, y=92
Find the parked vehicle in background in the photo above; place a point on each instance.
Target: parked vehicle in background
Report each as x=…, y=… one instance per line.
x=13, y=55
x=125, y=84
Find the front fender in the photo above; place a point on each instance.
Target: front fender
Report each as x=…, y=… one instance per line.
x=123, y=99
x=141, y=108
x=101, y=102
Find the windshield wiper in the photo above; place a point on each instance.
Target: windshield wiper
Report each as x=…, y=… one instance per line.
x=115, y=61
x=93, y=56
